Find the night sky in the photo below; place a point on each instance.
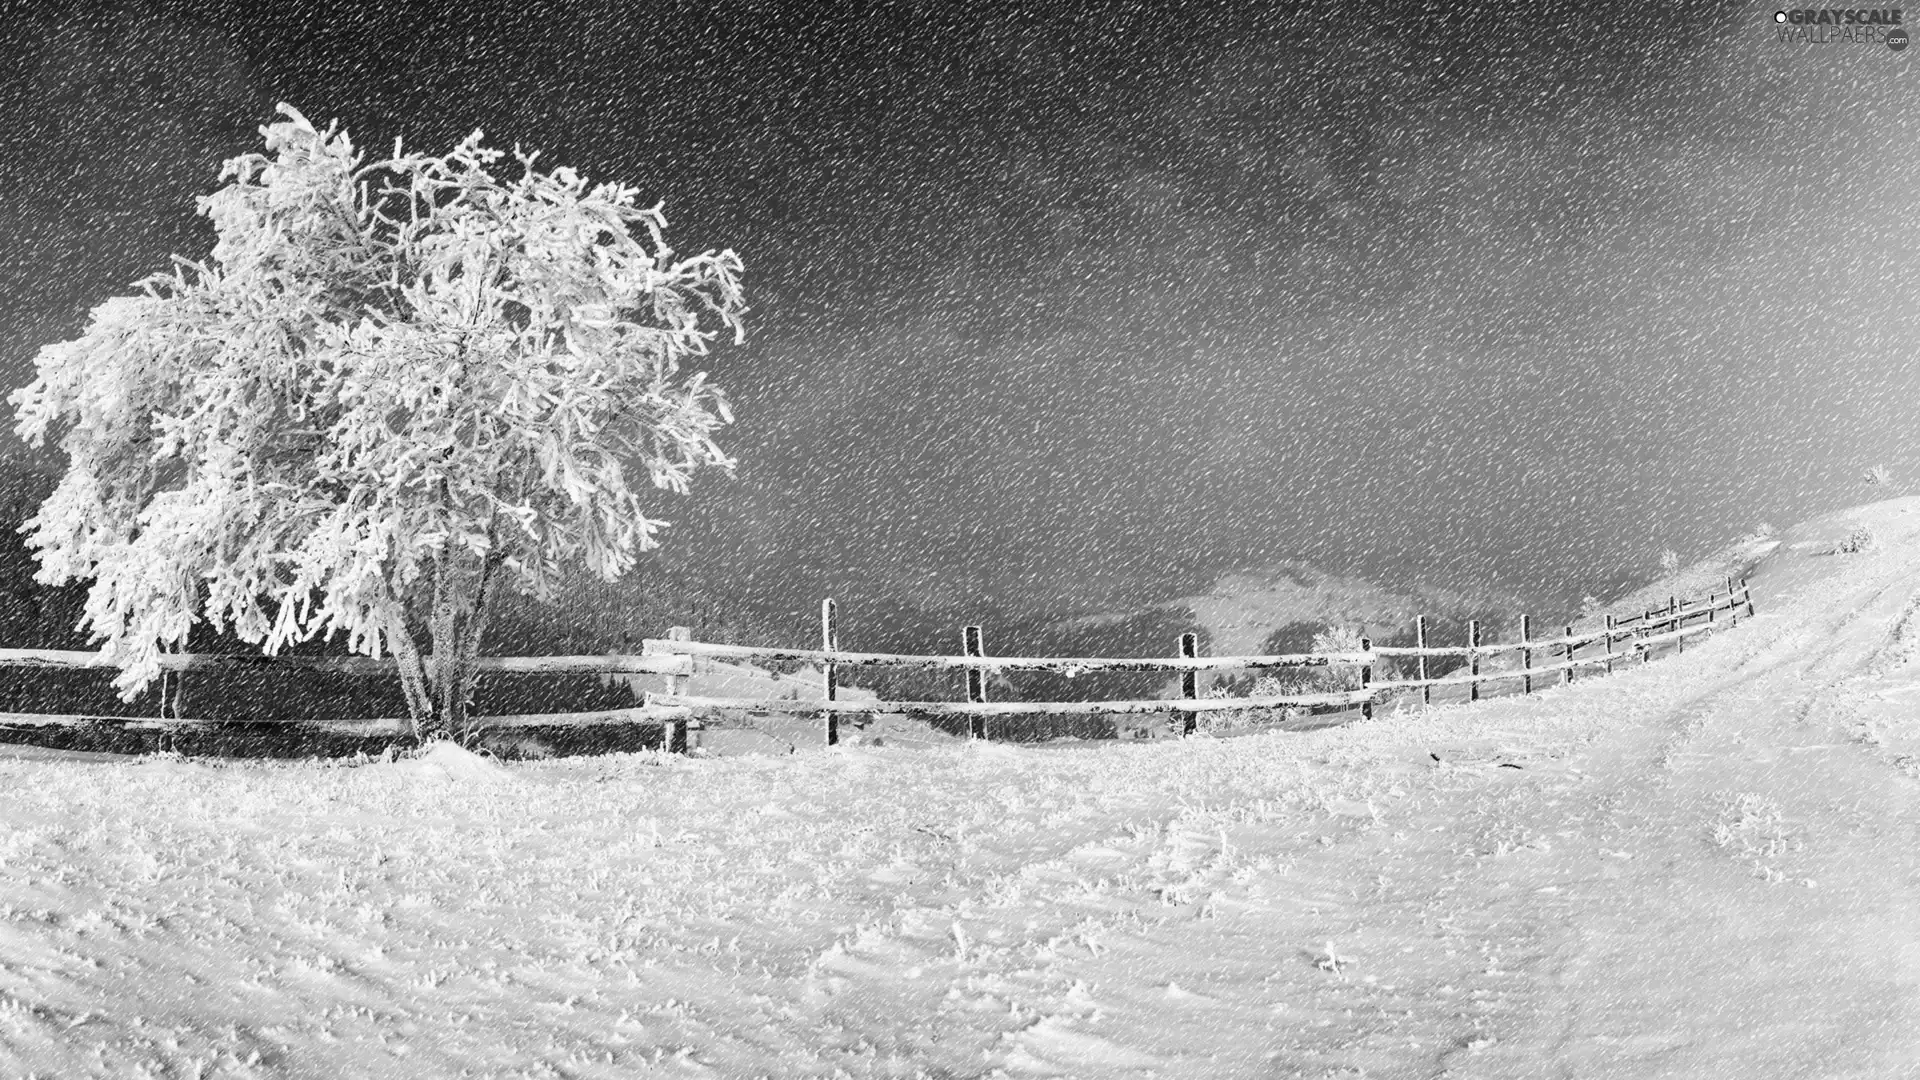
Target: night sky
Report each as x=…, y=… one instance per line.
x=1060, y=305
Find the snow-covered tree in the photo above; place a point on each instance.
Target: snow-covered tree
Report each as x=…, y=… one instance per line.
x=393, y=389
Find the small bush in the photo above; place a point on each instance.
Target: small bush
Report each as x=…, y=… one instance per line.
x=1859, y=540
x=1329, y=679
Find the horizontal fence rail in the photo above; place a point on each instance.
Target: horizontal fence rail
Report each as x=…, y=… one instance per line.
x=1066, y=665
x=1008, y=708
x=647, y=715
x=679, y=710
x=356, y=665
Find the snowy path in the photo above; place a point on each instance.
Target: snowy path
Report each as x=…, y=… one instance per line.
x=1793, y=952
x=1607, y=879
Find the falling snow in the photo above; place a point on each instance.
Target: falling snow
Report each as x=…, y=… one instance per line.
x=1077, y=319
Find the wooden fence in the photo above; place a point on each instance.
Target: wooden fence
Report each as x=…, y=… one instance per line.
x=678, y=710
x=1642, y=634
x=330, y=735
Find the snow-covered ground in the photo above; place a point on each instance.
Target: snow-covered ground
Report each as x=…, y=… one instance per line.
x=1708, y=866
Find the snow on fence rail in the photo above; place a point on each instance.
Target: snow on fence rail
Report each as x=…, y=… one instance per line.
x=1639, y=629
x=678, y=709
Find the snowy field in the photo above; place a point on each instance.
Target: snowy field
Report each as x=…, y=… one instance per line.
x=1704, y=867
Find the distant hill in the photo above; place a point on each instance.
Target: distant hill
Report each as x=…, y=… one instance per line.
x=1278, y=608
x=1281, y=607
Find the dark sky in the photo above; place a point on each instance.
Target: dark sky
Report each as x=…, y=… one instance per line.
x=1061, y=303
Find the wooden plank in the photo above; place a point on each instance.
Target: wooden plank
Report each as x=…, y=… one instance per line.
x=1489, y=649
x=581, y=665
x=1190, y=681
x=1077, y=665
x=676, y=740
x=636, y=715
x=376, y=725
x=1420, y=642
x=1473, y=659
x=1366, y=677
x=1009, y=708
x=353, y=665
x=971, y=646
x=158, y=722
x=974, y=647
x=830, y=642
x=1526, y=654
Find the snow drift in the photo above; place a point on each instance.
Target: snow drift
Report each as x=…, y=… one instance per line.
x=1702, y=867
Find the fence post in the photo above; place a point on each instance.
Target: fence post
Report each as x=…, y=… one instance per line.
x=1366, y=680
x=1745, y=588
x=1473, y=659
x=1189, y=682
x=1526, y=655
x=829, y=684
x=676, y=730
x=1420, y=642
x=1609, y=644
x=976, y=682
x=1571, y=648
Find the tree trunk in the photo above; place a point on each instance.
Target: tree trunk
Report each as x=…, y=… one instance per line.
x=413, y=682
x=463, y=598
x=443, y=629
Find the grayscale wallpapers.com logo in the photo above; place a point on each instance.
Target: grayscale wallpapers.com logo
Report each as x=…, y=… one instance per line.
x=1842, y=26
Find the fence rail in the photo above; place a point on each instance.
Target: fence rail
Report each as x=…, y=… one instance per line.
x=1638, y=629
x=679, y=709
x=356, y=665
x=1074, y=665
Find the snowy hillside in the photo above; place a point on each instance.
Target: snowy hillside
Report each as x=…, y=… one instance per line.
x=1242, y=609
x=1703, y=867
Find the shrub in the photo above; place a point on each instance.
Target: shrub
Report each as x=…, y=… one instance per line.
x=1859, y=540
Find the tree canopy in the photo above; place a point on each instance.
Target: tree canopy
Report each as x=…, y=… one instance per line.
x=390, y=389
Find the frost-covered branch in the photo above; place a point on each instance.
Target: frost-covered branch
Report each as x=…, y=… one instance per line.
x=384, y=376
